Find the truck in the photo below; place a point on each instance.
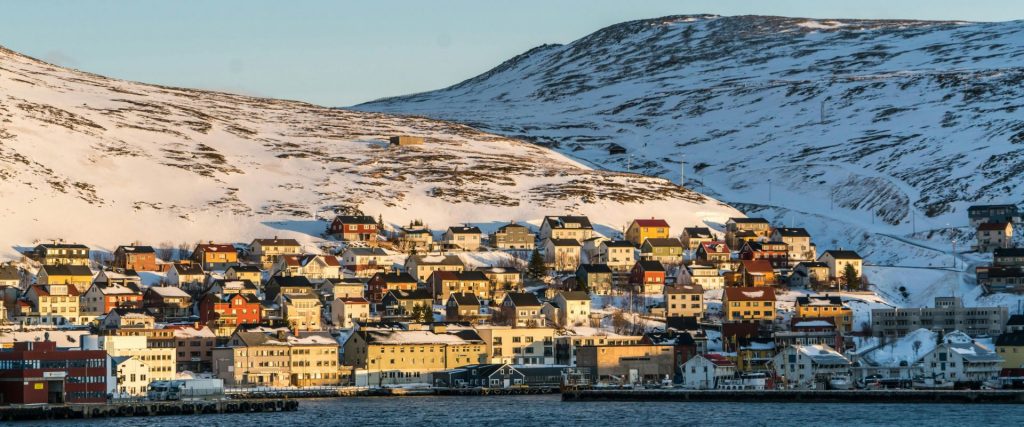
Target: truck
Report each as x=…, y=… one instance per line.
x=190, y=389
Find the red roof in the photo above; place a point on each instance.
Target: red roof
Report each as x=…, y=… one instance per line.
x=750, y=293
x=354, y=300
x=443, y=275
x=757, y=266
x=718, y=359
x=993, y=226
x=651, y=222
x=715, y=247
x=303, y=260
x=44, y=290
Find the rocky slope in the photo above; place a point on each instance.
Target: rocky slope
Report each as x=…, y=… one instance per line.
x=884, y=127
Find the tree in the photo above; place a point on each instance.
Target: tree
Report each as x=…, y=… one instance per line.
x=183, y=250
x=536, y=269
x=940, y=337
x=380, y=222
x=166, y=251
x=851, y=278
x=422, y=313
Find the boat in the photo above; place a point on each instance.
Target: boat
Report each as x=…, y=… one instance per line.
x=932, y=384
x=840, y=382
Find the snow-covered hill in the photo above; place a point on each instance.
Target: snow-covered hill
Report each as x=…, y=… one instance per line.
x=106, y=162
x=857, y=129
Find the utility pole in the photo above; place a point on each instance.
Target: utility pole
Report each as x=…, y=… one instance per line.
x=682, y=170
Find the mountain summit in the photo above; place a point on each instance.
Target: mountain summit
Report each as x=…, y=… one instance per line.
x=891, y=125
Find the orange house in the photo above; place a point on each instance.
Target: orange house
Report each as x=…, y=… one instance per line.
x=758, y=272
x=215, y=256
x=138, y=258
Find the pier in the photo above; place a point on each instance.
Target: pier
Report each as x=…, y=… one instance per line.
x=801, y=396
x=144, y=409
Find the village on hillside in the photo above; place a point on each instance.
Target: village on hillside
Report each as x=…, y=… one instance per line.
x=750, y=306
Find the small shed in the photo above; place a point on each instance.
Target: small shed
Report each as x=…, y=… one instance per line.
x=403, y=140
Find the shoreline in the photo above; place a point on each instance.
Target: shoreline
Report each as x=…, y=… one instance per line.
x=800, y=396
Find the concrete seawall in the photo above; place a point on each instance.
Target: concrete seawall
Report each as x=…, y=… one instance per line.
x=144, y=409
x=803, y=396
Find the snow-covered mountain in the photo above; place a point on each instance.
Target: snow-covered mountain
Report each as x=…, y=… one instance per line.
x=105, y=162
x=859, y=130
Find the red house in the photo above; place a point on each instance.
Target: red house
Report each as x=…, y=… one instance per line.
x=36, y=372
x=100, y=299
x=229, y=310
x=648, y=277
x=777, y=253
x=353, y=228
x=138, y=258
x=381, y=283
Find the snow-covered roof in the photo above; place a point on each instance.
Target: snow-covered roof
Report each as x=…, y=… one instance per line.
x=390, y=337
x=169, y=291
x=63, y=339
x=191, y=332
x=822, y=354
x=812, y=324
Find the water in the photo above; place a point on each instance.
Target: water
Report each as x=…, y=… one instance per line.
x=549, y=410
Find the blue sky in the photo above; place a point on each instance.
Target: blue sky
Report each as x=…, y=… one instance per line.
x=341, y=53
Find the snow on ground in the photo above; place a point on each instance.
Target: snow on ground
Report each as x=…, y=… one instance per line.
x=820, y=25
x=154, y=164
x=490, y=258
x=905, y=349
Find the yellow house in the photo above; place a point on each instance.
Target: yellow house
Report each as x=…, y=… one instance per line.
x=529, y=346
x=825, y=306
x=753, y=355
x=160, y=361
x=643, y=229
x=1010, y=347
x=251, y=273
x=684, y=301
x=301, y=311
x=66, y=274
x=749, y=303
x=53, y=305
x=277, y=360
x=410, y=355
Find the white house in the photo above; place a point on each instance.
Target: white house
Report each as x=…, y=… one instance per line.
x=961, y=360
x=562, y=254
x=707, y=372
x=573, y=308
x=344, y=311
x=466, y=238
x=804, y=366
x=619, y=255
x=837, y=260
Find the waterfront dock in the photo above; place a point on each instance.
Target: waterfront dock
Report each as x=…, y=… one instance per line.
x=801, y=396
x=144, y=409
x=484, y=391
